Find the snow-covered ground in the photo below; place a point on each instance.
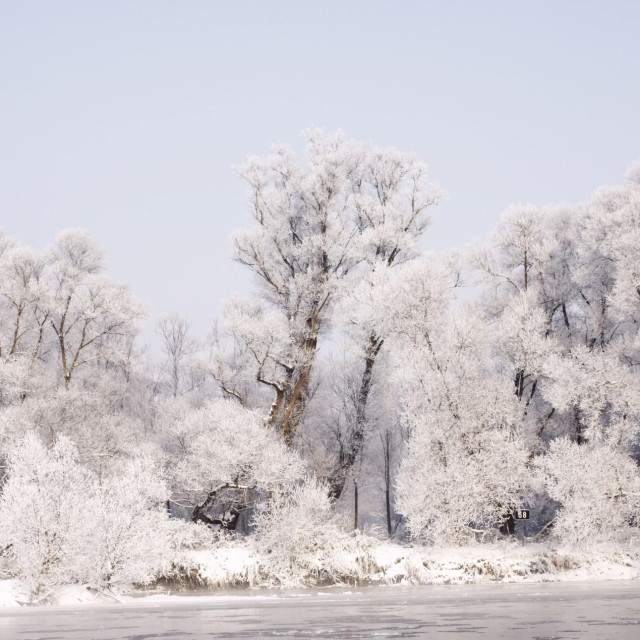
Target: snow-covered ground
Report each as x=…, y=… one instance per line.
x=375, y=563
x=576, y=610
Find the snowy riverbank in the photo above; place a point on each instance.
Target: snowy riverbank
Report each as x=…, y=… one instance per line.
x=371, y=562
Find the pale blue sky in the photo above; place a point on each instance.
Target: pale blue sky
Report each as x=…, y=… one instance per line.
x=125, y=117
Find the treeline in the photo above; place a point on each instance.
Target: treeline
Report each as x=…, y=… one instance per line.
x=354, y=362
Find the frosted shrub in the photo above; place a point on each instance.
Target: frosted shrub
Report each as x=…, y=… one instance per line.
x=127, y=528
x=223, y=444
x=42, y=512
x=301, y=539
x=598, y=489
x=61, y=523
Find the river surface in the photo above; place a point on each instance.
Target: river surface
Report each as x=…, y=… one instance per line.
x=542, y=611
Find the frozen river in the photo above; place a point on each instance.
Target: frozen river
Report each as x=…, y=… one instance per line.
x=603, y=611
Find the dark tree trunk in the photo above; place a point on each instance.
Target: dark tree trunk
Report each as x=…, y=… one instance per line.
x=355, y=504
x=519, y=383
x=508, y=526
x=349, y=454
x=297, y=399
x=387, y=495
x=578, y=420
x=228, y=512
x=566, y=318
x=386, y=452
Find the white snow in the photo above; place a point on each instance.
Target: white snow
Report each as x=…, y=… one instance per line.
x=373, y=562
x=506, y=562
x=238, y=565
x=13, y=593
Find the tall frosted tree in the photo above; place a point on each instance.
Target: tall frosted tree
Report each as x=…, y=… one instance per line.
x=349, y=208
x=392, y=199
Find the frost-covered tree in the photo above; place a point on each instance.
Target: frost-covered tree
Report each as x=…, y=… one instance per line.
x=464, y=468
x=262, y=350
x=554, y=281
x=464, y=464
x=350, y=205
x=593, y=383
x=527, y=272
x=94, y=415
x=178, y=346
x=24, y=310
x=392, y=199
x=24, y=295
x=61, y=321
x=90, y=316
x=570, y=273
x=300, y=246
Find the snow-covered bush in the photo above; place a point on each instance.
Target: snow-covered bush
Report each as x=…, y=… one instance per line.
x=225, y=445
x=301, y=540
x=62, y=523
x=43, y=518
x=598, y=489
x=127, y=526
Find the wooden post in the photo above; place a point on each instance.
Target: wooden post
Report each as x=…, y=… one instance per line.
x=355, y=503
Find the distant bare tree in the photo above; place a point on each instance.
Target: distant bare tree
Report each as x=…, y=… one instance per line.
x=178, y=345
